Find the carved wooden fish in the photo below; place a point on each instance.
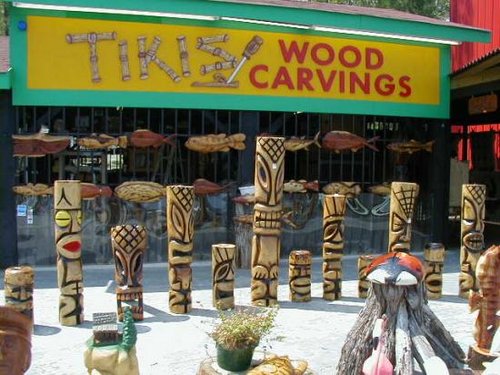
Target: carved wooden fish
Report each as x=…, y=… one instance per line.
x=410, y=147
x=143, y=138
x=39, y=144
x=337, y=140
x=349, y=189
x=216, y=142
x=30, y=189
x=274, y=365
x=311, y=185
x=91, y=191
x=140, y=191
x=102, y=141
x=293, y=186
x=295, y=143
x=205, y=187
x=383, y=189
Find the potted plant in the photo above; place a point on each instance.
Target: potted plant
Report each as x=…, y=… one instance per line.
x=238, y=333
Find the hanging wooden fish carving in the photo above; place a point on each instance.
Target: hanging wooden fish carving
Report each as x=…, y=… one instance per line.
x=410, y=147
x=216, y=142
x=143, y=138
x=91, y=191
x=39, y=144
x=205, y=187
x=102, y=141
x=337, y=140
x=140, y=191
x=36, y=189
x=348, y=188
x=295, y=143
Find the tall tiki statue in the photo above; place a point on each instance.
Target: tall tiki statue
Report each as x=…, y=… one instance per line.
x=472, y=226
x=68, y=221
x=403, y=198
x=129, y=242
x=180, y=228
x=333, y=245
x=269, y=170
x=223, y=275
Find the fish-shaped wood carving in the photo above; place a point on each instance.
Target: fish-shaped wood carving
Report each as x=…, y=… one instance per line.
x=216, y=142
x=295, y=143
x=140, y=191
x=282, y=365
x=245, y=199
x=410, y=147
x=102, y=141
x=311, y=185
x=293, y=186
x=205, y=187
x=349, y=189
x=143, y=138
x=36, y=189
x=337, y=140
x=91, y=191
x=382, y=189
x=39, y=144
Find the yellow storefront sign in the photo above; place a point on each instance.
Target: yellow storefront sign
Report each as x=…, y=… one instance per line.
x=84, y=54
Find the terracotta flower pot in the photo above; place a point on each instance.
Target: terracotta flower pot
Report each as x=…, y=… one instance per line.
x=236, y=360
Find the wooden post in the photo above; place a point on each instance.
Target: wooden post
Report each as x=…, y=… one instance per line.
x=333, y=245
x=15, y=339
x=471, y=234
x=403, y=198
x=68, y=221
x=180, y=229
x=269, y=171
x=223, y=275
x=363, y=283
x=299, y=275
x=18, y=289
x=433, y=263
x=129, y=243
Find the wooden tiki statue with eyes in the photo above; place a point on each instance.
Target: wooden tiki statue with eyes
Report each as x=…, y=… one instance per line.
x=299, y=275
x=269, y=171
x=129, y=243
x=180, y=229
x=403, y=199
x=68, y=221
x=333, y=245
x=223, y=276
x=471, y=234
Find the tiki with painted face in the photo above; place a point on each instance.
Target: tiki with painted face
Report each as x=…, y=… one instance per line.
x=471, y=234
x=333, y=245
x=180, y=229
x=434, y=262
x=15, y=342
x=269, y=171
x=129, y=243
x=68, y=221
x=223, y=276
x=299, y=275
x=403, y=198
x=18, y=282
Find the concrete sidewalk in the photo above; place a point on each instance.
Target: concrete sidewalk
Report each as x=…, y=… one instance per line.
x=176, y=344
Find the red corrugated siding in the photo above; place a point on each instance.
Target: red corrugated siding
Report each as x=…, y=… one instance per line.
x=478, y=13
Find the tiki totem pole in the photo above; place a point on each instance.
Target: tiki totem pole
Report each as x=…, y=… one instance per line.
x=363, y=283
x=223, y=276
x=473, y=198
x=333, y=245
x=129, y=243
x=15, y=342
x=433, y=262
x=299, y=275
x=18, y=290
x=68, y=220
x=269, y=170
x=180, y=228
x=403, y=197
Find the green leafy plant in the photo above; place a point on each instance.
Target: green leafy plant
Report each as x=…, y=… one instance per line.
x=243, y=327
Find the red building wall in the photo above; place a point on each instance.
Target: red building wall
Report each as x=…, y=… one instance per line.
x=484, y=14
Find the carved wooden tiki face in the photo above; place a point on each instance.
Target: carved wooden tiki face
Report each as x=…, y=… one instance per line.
x=473, y=199
x=180, y=227
x=19, y=289
x=403, y=198
x=223, y=275
x=129, y=243
x=68, y=221
x=334, y=207
x=15, y=342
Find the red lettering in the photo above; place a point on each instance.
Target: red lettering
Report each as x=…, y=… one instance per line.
x=326, y=85
x=405, y=87
x=319, y=57
x=253, y=76
x=304, y=77
x=342, y=81
x=293, y=50
x=283, y=78
x=344, y=58
x=384, y=85
x=374, y=58
x=355, y=80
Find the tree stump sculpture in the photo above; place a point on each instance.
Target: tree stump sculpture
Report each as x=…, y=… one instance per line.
x=333, y=245
x=487, y=302
x=129, y=243
x=299, y=275
x=363, y=284
x=403, y=198
x=412, y=329
x=434, y=262
x=180, y=229
x=223, y=275
x=18, y=282
x=15, y=341
x=68, y=221
x=471, y=234
x=269, y=171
